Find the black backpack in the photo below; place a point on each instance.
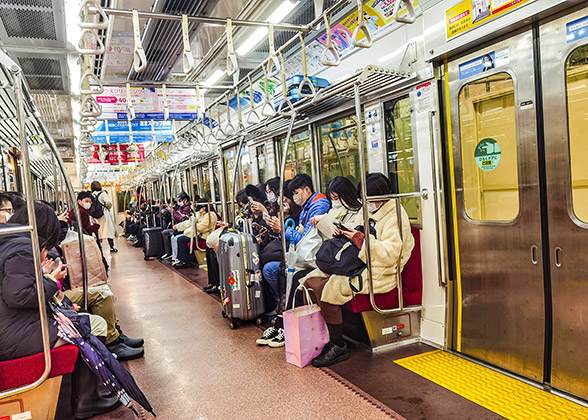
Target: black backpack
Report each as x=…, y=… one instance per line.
x=340, y=256
x=97, y=209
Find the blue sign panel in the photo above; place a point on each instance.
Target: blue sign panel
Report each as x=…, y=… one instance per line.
x=577, y=29
x=477, y=65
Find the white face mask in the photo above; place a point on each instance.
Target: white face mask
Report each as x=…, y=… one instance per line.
x=7, y=217
x=87, y=206
x=271, y=197
x=372, y=207
x=336, y=204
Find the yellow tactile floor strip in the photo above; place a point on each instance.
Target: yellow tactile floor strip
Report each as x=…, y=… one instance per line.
x=505, y=396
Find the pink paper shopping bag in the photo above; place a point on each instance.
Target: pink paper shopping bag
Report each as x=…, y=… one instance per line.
x=306, y=332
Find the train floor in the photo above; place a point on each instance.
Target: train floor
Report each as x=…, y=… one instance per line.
x=195, y=367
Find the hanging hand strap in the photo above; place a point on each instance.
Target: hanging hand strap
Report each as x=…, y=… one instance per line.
x=82, y=49
x=219, y=131
x=267, y=109
x=330, y=49
x=89, y=107
x=85, y=14
x=305, y=80
x=165, y=103
x=229, y=128
x=130, y=108
x=198, y=116
x=232, y=65
x=362, y=27
x=139, y=58
x=286, y=108
x=88, y=74
x=253, y=117
x=240, y=126
x=273, y=65
x=188, y=58
x=409, y=17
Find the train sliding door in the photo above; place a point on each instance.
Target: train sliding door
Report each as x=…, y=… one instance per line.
x=499, y=292
x=564, y=52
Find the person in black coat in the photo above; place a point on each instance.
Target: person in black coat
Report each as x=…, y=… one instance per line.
x=20, y=323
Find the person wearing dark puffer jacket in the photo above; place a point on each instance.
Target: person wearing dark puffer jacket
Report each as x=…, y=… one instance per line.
x=20, y=324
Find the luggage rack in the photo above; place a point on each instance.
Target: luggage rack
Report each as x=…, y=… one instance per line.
x=371, y=79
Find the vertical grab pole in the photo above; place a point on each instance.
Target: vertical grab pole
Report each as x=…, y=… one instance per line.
x=18, y=89
x=237, y=163
x=282, y=175
x=69, y=187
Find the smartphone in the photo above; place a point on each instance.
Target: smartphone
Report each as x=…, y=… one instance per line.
x=341, y=227
x=266, y=216
x=250, y=199
x=64, y=266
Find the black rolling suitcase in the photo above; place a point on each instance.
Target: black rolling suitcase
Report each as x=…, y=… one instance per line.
x=152, y=242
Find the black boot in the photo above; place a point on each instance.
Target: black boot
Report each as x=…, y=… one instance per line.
x=86, y=390
x=124, y=352
x=131, y=342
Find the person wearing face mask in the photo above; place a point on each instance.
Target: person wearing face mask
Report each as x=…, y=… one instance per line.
x=344, y=207
x=313, y=204
x=6, y=209
x=332, y=292
x=90, y=226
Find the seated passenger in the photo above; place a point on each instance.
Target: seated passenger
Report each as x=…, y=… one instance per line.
x=180, y=213
x=344, y=206
x=204, y=222
x=334, y=291
x=313, y=204
x=6, y=209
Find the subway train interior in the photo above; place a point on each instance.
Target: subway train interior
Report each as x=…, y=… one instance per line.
x=295, y=209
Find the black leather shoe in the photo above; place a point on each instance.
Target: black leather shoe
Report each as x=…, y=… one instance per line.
x=213, y=289
x=182, y=265
x=207, y=288
x=112, y=250
x=330, y=355
x=124, y=352
x=131, y=342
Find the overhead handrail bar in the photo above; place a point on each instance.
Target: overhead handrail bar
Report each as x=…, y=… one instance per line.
x=329, y=46
x=86, y=12
x=282, y=176
x=232, y=64
x=273, y=65
x=84, y=50
x=252, y=117
x=139, y=57
x=366, y=218
x=363, y=28
x=208, y=20
x=408, y=18
x=188, y=58
x=305, y=80
x=286, y=108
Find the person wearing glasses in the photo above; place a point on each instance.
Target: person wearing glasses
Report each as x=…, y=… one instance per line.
x=6, y=209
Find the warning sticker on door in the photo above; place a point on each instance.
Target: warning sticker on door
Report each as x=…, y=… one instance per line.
x=487, y=154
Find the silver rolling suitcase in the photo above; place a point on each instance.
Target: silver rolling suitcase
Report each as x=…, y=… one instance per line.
x=240, y=278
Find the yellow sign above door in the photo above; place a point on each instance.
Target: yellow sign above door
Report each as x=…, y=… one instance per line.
x=468, y=14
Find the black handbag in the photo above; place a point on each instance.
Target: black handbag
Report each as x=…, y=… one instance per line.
x=272, y=252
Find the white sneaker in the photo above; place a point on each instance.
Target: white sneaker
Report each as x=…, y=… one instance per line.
x=267, y=336
x=279, y=340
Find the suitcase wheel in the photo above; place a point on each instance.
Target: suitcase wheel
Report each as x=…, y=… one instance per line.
x=146, y=258
x=258, y=320
x=233, y=323
x=224, y=315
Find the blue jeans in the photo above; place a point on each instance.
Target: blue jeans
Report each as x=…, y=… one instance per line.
x=270, y=274
x=174, y=246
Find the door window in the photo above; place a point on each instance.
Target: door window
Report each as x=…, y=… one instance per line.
x=205, y=185
x=489, y=148
x=299, y=157
x=262, y=164
x=339, y=150
x=577, y=93
x=397, y=117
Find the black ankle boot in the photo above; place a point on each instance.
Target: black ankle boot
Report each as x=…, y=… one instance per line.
x=86, y=390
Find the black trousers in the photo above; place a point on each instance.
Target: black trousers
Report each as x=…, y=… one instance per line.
x=213, y=268
x=184, y=254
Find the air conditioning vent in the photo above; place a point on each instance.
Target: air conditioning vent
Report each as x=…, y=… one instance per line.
x=30, y=24
x=42, y=73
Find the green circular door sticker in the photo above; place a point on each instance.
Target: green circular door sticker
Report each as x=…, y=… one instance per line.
x=488, y=154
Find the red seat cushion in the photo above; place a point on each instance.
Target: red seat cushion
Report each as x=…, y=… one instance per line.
x=412, y=284
x=19, y=372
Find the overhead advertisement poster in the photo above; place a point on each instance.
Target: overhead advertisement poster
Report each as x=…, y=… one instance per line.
x=469, y=14
x=148, y=103
x=117, y=132
x=117, y=154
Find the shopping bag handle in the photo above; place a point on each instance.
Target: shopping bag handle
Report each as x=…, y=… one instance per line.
x=308, y=299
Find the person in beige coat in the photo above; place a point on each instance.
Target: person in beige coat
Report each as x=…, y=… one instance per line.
x=386, y=249
x=107, y=226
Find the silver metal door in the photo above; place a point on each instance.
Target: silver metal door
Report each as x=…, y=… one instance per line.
x=565, y=73
x=500, y=287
